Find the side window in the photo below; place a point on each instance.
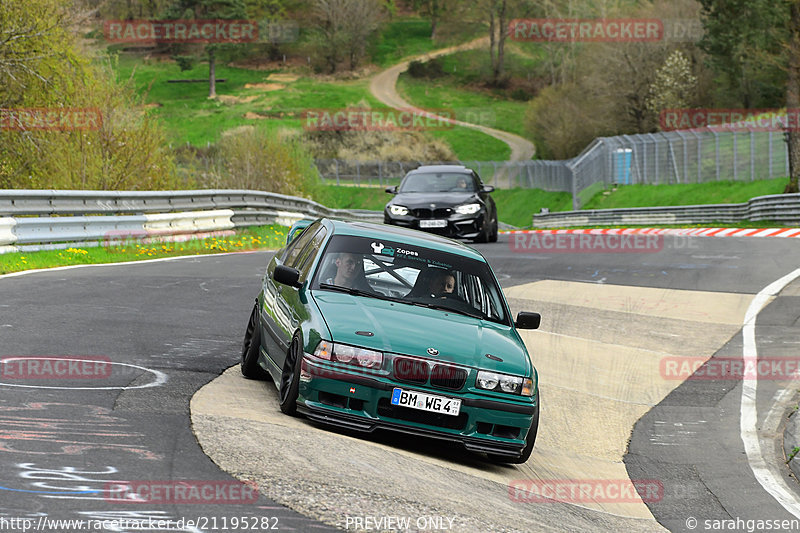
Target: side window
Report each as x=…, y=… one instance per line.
x=309, y=252
x=297, y=245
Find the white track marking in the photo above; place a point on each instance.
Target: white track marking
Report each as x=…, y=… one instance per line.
x=160, y=377
x=765, y=471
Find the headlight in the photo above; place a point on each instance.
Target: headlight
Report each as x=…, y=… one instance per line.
x=487, y=380
x=468, y=209
x=504, y=383
x=510, y=384
x=398, y=210
x=351, y=355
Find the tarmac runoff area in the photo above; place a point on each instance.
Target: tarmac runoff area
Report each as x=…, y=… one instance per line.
x=598, y=352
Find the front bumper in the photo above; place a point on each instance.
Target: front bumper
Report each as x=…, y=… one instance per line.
x=360, y=402
x=458, y=226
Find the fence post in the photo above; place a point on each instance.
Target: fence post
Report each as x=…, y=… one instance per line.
x=735, y=166
x=769, y=152
x=752, y=156
x=574, y=179
x=716, y=151
x=337, y=172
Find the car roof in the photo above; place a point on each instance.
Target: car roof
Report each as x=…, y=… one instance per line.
x=458, y=169
x=406, y=236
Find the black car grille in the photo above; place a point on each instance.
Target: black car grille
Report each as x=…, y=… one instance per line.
x=448, y=377
x=442, y=212
x=417, y=371
x=421, y=417
x=413, y=370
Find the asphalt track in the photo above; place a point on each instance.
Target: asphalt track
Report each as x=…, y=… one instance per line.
x=608, y=321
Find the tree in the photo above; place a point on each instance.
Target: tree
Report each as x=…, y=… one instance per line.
x=674, y=85
x=205, y=10
x=435, y=10
x=755, y=44
x=343, y=29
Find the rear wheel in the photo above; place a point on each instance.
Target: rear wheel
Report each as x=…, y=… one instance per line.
x=251, y=346
x=290, y=377
x=529, y=442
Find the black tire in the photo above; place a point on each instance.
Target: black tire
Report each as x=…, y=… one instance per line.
x=485, y=233
x=290, y=378
x=493, y=234
x=530, y=440
x=251, y=346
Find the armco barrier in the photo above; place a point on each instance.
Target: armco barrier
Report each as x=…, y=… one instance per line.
x=52, y=219
x=779, y=208
x=18, y=202
x=7, y=235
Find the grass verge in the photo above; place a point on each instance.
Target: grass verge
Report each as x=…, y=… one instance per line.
x=716, y=192
x=254, y=238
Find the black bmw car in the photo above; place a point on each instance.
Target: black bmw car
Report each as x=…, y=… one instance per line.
x=449, y=200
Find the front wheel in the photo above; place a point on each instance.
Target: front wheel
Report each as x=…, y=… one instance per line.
x=290, y=378
x=251, y=348
x=493, y=234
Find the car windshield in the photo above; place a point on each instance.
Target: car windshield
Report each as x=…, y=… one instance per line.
x=438, y=182
x=411, y=275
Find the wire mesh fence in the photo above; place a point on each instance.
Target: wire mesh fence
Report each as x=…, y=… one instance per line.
x=681, y=156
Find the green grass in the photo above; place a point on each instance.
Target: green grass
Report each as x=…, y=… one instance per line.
x=342, y=197
x=517, y=206
x=190, y=117
x=471, y=106
x=254, y=238
x=718, y=192
x=410, y=36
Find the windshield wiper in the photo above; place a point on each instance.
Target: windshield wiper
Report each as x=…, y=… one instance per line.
x=356, y=292
x=440, y=307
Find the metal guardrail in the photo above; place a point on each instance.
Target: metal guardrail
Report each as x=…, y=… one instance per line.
x=19, y=202
x=49, y=219
x=779, y=208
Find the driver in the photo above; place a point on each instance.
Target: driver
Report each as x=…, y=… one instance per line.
x=349, y=272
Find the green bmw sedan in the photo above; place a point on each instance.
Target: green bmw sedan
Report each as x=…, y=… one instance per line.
x=367, y=326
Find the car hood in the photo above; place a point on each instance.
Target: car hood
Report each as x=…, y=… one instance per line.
x=414, y=200
x=411, y=330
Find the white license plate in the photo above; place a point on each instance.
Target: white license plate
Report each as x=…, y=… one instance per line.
x=426, y=402
x=432, y=223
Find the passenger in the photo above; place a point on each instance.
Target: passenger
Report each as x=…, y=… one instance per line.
x=442, y=284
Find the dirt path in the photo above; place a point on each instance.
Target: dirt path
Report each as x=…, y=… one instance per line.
x=384, y=87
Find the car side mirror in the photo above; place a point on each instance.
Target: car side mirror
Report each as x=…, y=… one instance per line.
x=392, y=190
x=287, y=276
x=526, y=320
x=488, y=188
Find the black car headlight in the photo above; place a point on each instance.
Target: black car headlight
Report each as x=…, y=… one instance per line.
x=468, y=209
x=504, y=383
x=399, y=210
